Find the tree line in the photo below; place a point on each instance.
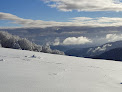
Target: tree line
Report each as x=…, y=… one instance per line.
x=8, y=40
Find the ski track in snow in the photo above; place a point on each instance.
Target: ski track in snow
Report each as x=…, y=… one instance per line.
x=26, y=71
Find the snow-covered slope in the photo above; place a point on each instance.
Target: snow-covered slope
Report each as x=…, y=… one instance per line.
x=26, y=71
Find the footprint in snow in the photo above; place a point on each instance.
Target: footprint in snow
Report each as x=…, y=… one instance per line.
x=26, y=56
x=2, y=60
x=26, y=59
x=33, y=56
x=58, y=63
x=53, y=74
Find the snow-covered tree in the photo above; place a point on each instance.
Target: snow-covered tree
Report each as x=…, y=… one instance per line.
x=10, y=41
x=46, y=49
x=57, y=52
x=25, y=44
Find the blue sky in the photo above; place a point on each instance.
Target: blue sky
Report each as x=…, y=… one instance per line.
x=39, y=10
x=49, y=13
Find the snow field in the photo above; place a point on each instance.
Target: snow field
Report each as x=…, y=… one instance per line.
x=26, y=71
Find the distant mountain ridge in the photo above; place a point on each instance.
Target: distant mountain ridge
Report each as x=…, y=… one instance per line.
x=93, y=51
x=114, y=54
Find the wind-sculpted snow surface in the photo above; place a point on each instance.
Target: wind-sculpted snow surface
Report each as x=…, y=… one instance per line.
x=26, y=71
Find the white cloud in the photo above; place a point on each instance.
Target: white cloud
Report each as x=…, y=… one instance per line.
x=85, y=5
x=30, y=22
x=76, y=40
x=100, y=21
x=77, y=21
x=34, y=23
x=113, y=37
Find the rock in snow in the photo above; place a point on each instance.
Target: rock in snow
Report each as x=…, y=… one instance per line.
x=56, y=73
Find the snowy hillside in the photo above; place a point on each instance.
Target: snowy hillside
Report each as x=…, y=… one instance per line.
x=25, y=71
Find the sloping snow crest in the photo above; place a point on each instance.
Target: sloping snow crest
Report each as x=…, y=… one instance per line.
x=26, y=71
